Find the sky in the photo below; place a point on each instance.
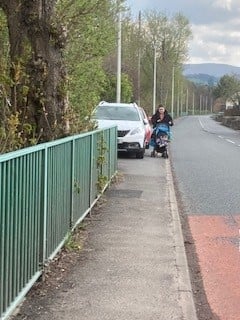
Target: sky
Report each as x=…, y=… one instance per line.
x=215, y=26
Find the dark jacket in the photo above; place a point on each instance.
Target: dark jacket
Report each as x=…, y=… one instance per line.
x=166, y=119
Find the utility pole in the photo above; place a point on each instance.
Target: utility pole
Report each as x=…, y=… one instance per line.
x=206, y=104
x=181, y=103
x=119, y=53
x=200, y=107
x=172, y=91
x=139, y=58
x=193, y=102
x=178, y=100
x=154, y=77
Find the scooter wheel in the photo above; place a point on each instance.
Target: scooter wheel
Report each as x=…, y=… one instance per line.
x=165, y=155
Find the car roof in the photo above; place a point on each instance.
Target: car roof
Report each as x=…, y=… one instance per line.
x=118, y=104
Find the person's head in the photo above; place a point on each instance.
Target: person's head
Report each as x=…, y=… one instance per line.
x=161, y=108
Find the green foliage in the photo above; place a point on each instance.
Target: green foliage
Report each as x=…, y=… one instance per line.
x=72, y=243
x=86, y=83
x=77, y=187
x=109, y=94
x=228, y=87
x=86, y=32
x=15, y=135
x=101, y=160
x=75, y=239
x=89, y=27
x=91, y=36
x=170, y=37
x=101, y=183
x=4, y=50
x=4, y=75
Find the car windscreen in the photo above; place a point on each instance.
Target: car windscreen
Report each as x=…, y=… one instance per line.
x=117, y=113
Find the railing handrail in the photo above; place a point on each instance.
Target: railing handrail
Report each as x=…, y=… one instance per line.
x=46, y=190
x=42, y=146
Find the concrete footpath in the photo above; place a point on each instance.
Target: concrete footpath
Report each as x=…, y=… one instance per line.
x=134, y=265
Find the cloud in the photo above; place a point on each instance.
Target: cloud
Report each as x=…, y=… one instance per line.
x=215, y=25
x=227, y=4
x=215, y=43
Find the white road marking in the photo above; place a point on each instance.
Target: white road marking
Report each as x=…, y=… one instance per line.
x=228, y=140
x=201, y=123
x=221, y=137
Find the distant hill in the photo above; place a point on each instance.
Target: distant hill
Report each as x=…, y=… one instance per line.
x=201, y=78
x=208, y=73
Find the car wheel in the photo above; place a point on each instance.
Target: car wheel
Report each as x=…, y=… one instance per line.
x=140, y=155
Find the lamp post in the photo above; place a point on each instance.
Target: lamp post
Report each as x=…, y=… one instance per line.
x=206, y=104
x=200, y=106
x=211, y=105
x=178, y=99
x=193, y=102
x=187, y=102
x=154, y=78
x=119, y=51
x=139, y=59
x=172, y=92
x=181, y=103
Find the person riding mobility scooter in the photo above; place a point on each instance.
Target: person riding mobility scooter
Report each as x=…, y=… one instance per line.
x=161, y=122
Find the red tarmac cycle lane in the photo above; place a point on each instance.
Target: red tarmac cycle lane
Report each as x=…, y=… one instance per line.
x=217, y=241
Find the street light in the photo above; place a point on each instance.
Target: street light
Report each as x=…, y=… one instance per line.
x=154, y=78
x=172, y=92
x=139, y=59
x=200, y=107
x=119, y=57
x=178, y=99
x=181, y=103
x=193, y=103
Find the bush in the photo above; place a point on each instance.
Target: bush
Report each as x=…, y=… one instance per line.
x=232, y=112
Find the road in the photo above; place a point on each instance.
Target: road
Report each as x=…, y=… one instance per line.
x=205, y=159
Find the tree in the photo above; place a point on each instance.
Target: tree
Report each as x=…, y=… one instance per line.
x=91, y=37
x=110, y=88
x=228, y=88
x=169, y=37
x=37, y=73
x=62, y=61
x=56, y=73
x=4, y=48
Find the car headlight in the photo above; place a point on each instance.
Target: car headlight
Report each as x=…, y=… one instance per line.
x=136, y=131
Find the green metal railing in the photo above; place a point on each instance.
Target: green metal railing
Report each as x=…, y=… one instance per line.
x=45, y=191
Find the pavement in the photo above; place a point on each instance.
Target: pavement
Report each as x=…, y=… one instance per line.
x=134, y=265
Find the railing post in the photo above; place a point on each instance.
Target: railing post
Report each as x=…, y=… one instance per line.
x=91, y=171
x=43, y=241
x=73, y=182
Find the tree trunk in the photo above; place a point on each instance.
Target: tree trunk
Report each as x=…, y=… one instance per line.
x=37, y=66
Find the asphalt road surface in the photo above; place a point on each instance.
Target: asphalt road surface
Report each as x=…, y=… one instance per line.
x=205, y=158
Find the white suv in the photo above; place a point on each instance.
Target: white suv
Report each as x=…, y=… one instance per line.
x=130, y=125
